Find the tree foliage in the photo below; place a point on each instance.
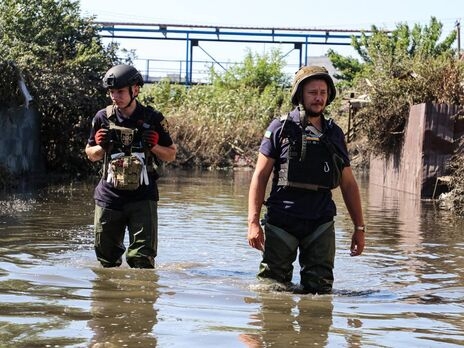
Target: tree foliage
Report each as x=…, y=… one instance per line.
x=389, y=50
x=348, y=67
x=215, y=124
x=256, y=71
x=62, y=60
x=397, y=69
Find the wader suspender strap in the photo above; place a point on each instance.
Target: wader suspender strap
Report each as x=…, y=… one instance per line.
x=110, y=112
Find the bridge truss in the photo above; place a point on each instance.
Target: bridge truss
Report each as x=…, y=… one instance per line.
x=296, y=38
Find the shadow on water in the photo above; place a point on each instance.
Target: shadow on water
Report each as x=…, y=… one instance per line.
x=407, y=289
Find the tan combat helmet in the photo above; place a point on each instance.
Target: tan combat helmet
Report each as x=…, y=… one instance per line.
x=312, y=71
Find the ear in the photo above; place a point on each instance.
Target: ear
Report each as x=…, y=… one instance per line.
x=135, y=90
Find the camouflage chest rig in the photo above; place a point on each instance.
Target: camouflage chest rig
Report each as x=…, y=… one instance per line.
x=126, y=169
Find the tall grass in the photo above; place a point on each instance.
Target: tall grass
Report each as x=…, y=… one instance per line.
x=221, y=124
x=216, y=127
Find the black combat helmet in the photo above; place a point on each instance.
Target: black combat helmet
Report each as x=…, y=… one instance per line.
x=122, y=75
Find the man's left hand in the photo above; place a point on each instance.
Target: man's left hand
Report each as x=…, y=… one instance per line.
x=357, y=243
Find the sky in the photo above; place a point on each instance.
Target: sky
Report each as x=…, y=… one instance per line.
x=334, y=14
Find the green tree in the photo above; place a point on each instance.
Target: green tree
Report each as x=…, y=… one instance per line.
x=233, y=111
x=399, y=68
x=62, y=60
x=390, y=52
x=256, y=71
x=348, y=67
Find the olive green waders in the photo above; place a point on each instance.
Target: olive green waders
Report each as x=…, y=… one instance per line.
x=141, y=220
x=316, y=257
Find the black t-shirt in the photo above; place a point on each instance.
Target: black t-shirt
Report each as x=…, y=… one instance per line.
x=300, y=203
x=106, y=195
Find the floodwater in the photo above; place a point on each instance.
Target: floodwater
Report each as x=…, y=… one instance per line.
x=406, y=290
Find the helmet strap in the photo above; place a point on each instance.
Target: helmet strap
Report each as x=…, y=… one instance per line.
x=302, y=115
x=132, y=97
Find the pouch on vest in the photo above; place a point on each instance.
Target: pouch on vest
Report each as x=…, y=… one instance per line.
x=127, y=172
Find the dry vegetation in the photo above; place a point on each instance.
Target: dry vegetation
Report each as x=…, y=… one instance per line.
x=216, y=127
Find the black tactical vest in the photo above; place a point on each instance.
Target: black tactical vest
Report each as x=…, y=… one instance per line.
x=312, y=161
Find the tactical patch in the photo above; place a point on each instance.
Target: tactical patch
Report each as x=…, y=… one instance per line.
x=165, y=125
x=268, y=134
x=127, y=136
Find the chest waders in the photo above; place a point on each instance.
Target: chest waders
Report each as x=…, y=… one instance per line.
x=312, y=163
x=316, y=257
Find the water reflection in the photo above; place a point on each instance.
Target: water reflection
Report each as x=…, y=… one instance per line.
x=407, y=289
x=123, y=308
x=286, y=320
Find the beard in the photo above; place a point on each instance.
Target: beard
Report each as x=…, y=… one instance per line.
x=311, y=113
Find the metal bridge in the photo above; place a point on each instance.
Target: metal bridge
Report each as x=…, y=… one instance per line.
x=296, y=38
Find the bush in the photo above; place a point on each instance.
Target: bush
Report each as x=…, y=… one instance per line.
x=215, y=127
x=222, y=123
x=62, y=60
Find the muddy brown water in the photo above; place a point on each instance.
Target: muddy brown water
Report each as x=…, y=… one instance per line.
x=406, y=290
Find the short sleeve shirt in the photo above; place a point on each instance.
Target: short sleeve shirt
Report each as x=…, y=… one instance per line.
x=300, y=203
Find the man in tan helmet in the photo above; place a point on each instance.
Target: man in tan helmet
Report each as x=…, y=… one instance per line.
x=308, y=157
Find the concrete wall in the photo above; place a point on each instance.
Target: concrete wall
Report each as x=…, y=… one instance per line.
x=20, y=149
x=427, y=150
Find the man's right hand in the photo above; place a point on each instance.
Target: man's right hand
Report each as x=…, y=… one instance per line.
x=256, y=236
x=102, y=137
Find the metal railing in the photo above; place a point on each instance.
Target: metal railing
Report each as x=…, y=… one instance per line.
x=175, y=70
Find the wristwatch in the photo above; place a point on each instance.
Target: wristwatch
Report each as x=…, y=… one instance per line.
x=360, y=228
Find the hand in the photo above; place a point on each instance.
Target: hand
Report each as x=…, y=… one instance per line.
x=102, y=137
x=256, y=236
x=150, y=138
x=357, y=243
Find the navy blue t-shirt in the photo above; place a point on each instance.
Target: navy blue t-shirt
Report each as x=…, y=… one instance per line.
x=300, y=203
x=106, y=195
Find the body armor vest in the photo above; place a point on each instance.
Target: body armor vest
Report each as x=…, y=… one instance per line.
x=312, y=161
x=127, y=166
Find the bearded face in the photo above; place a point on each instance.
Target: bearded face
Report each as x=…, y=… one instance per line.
x=315, y=94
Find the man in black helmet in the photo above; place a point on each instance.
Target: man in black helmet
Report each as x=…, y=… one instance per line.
x=308, y=157
x=130, y=139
